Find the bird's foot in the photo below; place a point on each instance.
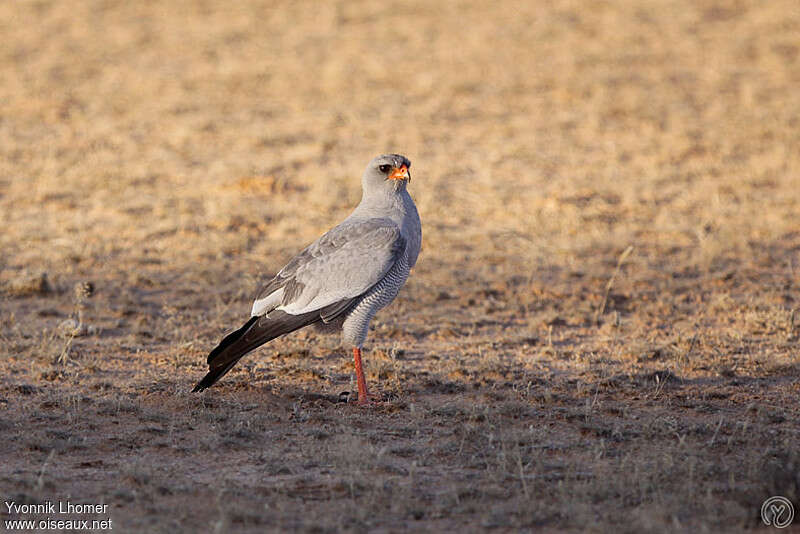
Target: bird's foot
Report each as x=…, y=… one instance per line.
x=370, y=399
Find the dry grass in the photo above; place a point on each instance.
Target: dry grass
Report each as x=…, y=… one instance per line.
x=174, y=154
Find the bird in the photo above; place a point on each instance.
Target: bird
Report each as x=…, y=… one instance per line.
x=341, y=280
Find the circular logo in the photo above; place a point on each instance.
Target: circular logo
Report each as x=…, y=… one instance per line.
x=777, y=511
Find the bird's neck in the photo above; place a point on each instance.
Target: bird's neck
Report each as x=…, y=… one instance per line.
x=385, y=201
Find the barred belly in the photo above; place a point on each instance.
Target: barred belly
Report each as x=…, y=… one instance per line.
x=356, y=325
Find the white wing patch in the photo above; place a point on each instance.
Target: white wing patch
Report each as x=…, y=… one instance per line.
x=267, y=304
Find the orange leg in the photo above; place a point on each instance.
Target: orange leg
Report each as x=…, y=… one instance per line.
x=362, y=382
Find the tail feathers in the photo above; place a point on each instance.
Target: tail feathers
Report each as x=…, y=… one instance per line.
x=254, y=333
x=229, y=340
x=212, y=376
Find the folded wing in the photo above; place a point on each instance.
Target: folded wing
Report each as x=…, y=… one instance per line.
x=340, y=266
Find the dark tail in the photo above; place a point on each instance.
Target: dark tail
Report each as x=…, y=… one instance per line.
x=254, y=333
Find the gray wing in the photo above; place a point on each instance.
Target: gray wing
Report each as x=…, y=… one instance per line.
x=334, y=270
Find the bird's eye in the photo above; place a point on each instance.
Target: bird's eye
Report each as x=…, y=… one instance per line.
x=385, y=168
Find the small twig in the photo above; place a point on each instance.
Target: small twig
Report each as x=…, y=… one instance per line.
x=521, y=471
x=602, y=308
x=659, y=385
x=714, y=437
x=691, y=345
x=63, y=358
x=688, y=353
x=40, y=480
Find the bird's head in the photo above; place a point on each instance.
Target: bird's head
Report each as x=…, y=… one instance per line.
x=389, y=172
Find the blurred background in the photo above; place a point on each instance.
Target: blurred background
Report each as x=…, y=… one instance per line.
x=538, y=131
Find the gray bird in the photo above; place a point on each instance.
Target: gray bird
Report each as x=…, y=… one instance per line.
x=340, y=280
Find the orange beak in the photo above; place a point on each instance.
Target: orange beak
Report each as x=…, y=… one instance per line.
x=400, y=173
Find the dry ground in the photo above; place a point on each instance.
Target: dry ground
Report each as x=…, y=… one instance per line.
x=540, y=373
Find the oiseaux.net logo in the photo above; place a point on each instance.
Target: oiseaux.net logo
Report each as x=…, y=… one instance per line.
x=777, y=511
x=56, y=515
